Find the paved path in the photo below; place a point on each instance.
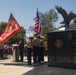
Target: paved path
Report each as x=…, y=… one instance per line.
x=7, y=67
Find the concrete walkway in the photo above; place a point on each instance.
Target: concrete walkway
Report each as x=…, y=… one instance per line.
x=8, y=67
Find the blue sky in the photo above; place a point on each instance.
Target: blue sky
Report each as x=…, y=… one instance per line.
x=25, y=10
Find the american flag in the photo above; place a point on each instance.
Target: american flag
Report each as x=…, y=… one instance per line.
x=37, y=27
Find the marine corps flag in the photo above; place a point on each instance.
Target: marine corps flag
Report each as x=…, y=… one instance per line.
x=11, y=29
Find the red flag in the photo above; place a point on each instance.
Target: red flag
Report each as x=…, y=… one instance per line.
x=37, y=27
x=11, y=29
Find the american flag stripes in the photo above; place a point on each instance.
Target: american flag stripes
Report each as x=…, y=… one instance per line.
x=37, y=27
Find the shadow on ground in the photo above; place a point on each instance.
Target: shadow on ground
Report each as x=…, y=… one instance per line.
x=46, y=70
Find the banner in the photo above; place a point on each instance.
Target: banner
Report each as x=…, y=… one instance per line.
x=37, y=27
x=10, y=30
